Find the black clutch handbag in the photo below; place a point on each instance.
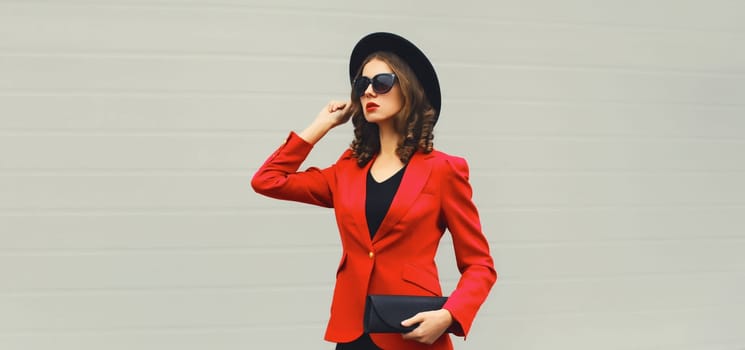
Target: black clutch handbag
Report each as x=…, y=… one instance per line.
x=384, y=313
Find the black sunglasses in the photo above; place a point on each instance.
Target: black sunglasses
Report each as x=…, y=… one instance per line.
x=381, y=83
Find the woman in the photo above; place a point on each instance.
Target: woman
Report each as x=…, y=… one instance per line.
x=393, y=197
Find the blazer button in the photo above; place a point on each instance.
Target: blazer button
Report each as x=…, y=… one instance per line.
x=371, y=255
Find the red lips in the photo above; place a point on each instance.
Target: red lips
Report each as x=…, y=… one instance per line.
x=371, y=106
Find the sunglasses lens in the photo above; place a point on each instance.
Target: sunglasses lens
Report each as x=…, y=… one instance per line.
x=383, y=83
x=360, y=85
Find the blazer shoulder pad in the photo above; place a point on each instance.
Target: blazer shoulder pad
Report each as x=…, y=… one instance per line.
x=347, y=158
x=453, y=163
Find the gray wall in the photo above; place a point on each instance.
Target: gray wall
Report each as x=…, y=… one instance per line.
x=605, y=138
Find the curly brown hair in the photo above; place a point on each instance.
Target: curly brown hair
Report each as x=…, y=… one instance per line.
x=415, y=121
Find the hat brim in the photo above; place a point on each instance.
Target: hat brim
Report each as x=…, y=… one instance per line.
x=415, y=58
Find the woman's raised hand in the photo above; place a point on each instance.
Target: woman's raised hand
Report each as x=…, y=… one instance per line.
x=333, y=114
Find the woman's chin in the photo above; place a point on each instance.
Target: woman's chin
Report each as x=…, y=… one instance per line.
x=374, y=117
x=370, y=118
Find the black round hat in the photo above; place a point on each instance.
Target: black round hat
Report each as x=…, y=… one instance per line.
x=408, y=52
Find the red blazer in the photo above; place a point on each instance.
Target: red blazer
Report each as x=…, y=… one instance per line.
x=434, y=195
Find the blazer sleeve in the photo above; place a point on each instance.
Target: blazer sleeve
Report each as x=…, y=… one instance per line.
x=471, y=247
x=279, y=178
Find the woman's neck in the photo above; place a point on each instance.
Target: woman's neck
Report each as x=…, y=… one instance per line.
x=389, y=139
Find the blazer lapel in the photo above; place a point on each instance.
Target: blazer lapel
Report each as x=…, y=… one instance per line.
x=357, y=190
x=416, y=175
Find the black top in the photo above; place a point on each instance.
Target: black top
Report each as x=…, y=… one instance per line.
x=379, y=198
